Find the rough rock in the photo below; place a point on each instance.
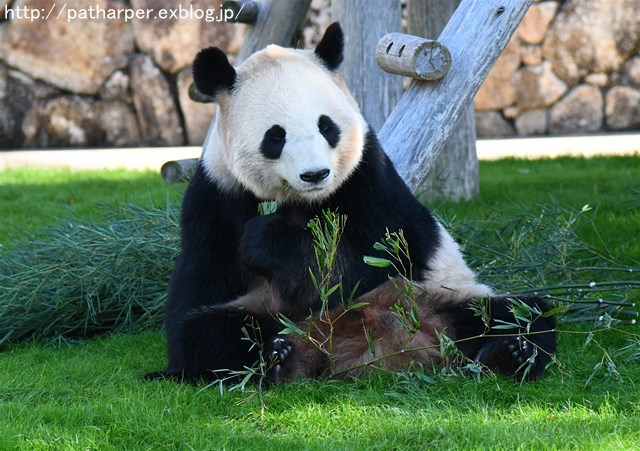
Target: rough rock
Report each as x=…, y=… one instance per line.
x=592, y=36
x=77, y=55
x=492, y=124
x=536, y=21
x=18, y=95
x=498, y=90
x=16, y=99
x=531, y=55
x=511, y=112
x=174, y=41
x=197, y=116
x=580, y=111
x=623, y=108
x=538, y=87
x=533, y=122
x=631, y=73
x=117, y=87
x=75, y=121
x=155, y=107
x=3, y=4
x=317, y=20
x=600, y=80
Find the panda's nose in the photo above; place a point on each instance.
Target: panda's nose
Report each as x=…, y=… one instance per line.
x=315, y=176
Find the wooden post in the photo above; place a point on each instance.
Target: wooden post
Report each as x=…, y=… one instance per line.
x=179, y=170
x=427, y=114
x=364, y=22
x=277, y=22
x=454, y=174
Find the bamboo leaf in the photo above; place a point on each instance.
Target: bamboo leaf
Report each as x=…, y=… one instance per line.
x=377, y=262
x=357, y=305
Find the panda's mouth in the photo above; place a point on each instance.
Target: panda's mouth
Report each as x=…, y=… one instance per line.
x=309, y=193
x=290, y=189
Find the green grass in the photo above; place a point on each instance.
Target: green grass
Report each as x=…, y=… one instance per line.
x=90, y=394
x=32, y=198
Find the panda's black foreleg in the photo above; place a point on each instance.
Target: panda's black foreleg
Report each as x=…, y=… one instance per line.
x=218, y=342
x=519, y=341
x=281, y=251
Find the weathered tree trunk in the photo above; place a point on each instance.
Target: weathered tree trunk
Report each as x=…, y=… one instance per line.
x=364, y=22
x=454, y=174
x=427, y=114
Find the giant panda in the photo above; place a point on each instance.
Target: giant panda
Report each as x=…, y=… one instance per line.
x=287, y=129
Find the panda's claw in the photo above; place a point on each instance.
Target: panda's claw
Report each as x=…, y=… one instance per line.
x=278, y=349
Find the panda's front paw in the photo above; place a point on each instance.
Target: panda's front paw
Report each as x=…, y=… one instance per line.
x=277, y=353
x=255, y=243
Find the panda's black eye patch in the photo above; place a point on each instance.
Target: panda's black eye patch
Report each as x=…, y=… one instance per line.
x=273, y=142
x=329, y=130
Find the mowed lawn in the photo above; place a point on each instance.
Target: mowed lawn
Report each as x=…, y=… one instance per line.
x=75, y=394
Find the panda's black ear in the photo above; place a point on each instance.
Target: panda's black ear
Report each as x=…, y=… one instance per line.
x=330, y=48
x=212, y=72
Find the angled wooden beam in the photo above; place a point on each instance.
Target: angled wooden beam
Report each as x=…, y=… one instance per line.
x=243, y=11
x=428, y=112
x=454, y=174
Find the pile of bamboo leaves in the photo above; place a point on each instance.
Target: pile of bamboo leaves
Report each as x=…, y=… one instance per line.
x=537, y=250
x=85, y=278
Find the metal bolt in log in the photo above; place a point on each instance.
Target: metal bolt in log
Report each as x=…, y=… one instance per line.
x=244, y=11
x=179, y=170
x=412, y=56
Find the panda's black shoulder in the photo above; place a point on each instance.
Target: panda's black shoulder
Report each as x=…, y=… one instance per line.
x=377, y=198
x=205, y=203
x=376, y=184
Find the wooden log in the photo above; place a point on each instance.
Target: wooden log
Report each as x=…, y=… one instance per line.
x=179, y=170
x=244, y=11
x=197, y=96
x=412, y=56
x=427, y=114
x=364, y=22
x=277, y=22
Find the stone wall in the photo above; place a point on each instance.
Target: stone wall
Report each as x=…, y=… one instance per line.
x=102, y=81
x=572, y=67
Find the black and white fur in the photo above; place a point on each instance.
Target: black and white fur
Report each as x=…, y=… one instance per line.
x=287, y=129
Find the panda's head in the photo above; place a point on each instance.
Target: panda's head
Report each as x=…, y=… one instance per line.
x=287, y=126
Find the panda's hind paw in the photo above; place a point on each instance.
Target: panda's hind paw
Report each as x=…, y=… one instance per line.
x=520, y=350
x=277, y=351
x=510, y=356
